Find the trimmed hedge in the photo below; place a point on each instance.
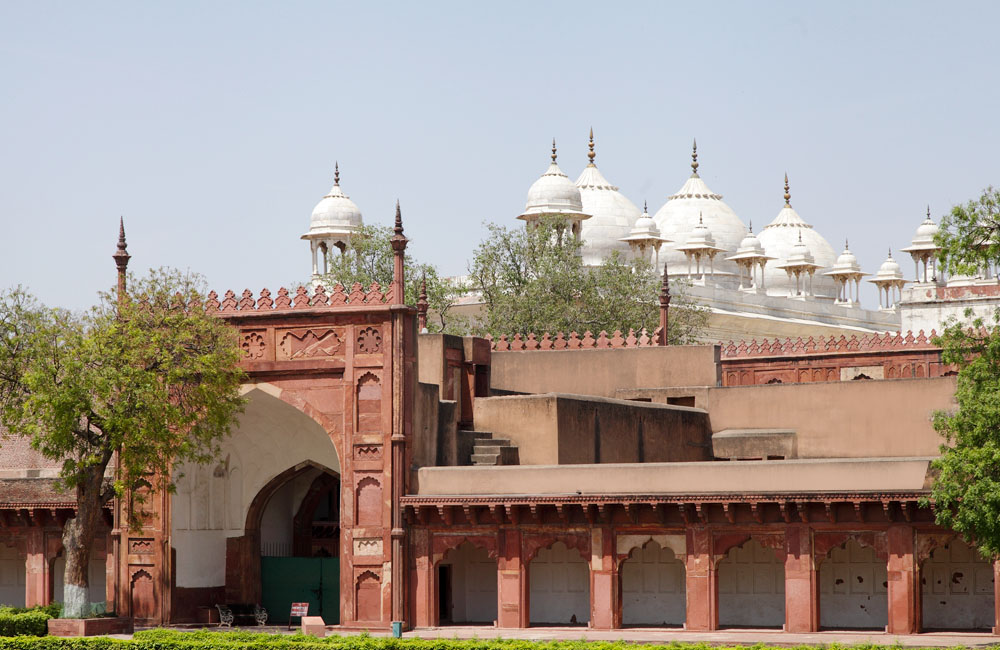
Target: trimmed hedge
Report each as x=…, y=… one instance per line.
x=241, y=640
x=25, y=623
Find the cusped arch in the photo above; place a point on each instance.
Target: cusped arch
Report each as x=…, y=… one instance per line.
x=443, y=545
x=626, y=545
x=824, y=543
x=536, y=543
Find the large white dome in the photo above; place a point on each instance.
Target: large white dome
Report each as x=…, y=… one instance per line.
x=335, y=214
x=612, y=215
x=679, y=216
x=780, y=237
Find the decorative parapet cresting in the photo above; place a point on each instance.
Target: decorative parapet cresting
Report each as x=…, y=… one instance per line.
x=888, y=342
x=573, y=341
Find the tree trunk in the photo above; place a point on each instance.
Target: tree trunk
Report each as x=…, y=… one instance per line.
x=78, y=538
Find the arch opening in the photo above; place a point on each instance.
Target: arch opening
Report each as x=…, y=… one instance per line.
x=751, y=587
x=559, y=587
x=467, y=586
x=853, y=589
x=13, y=573
x=653, y=587
x=957, y=589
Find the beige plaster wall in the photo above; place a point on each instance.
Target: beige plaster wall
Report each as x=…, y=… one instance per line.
x=683, y=478
x=851, y=419
x=603, y=372
x=569, y=429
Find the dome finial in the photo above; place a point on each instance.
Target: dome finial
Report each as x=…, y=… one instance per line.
x=336, y=173
x=694, y=158
x=751, y=226
x=591, y=154
x=800, y=235
x=553, y=150
x=788, y=196
x=928, y=211
x=398, y=228
x=645, y=206
x=846, y=245
x=700, y=222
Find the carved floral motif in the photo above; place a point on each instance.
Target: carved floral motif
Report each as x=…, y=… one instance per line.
x=253, y=345
x=369, y=341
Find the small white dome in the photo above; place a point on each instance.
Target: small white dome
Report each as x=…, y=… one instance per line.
x=554, y=194
x=924, y=237
x=847, y=261
x=611, y=214
x=750, y=244
x=889, y=270
x=700, y=237
x=679, y=216
x=800, y=253
x=780, y=237
x=335, y=214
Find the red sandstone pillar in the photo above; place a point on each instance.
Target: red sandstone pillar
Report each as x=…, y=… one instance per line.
x=801, y=583
x=36, y=567
x=996, y=596
x=424, y=594
x=701, y=586
x=902, y=581
x=605, y=605
x=512, y=587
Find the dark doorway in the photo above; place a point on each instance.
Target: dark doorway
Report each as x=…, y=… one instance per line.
x=444, y=593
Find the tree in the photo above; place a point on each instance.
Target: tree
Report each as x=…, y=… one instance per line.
x=533, y=280
x=368, y=258
x=118, y=395
x=966, y=487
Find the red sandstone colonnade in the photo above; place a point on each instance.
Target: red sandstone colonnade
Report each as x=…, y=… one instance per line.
x=877, y=562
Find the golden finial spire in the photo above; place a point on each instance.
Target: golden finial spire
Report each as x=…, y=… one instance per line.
x=553, y=150
x=336, y=173
x=694, y=158
x=591, y=154
x=788, y=197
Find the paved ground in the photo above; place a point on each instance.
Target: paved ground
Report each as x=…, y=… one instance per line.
x=727, y=637
x=663, y=636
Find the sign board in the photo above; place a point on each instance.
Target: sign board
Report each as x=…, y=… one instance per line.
x=298, y=609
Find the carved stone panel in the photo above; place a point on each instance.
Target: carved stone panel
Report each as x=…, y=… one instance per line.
x=309, y=343
x=368, y=546
x=369, y=341
x=253, y=344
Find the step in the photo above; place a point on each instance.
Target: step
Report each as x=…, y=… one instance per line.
x=492, y=442
x=485, y=459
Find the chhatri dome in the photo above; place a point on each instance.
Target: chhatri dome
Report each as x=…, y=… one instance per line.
x=612, y=215
x=680, y=215
x=335, y=219
x=554, y=194
x=780, y=239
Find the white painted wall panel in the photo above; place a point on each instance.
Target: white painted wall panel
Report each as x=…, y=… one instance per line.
x=473, y=585
x=957, y=586
x=12, y=574
x=653, y=590
x=559, y=587
x=853, y=585
x=751, y=587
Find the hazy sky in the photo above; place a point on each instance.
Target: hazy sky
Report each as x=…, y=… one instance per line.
x=213, y=127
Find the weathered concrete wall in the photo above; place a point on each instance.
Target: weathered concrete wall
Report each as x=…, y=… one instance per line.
x=560, y=429
x=890, y=418
x=603, y=372
x=432, y=355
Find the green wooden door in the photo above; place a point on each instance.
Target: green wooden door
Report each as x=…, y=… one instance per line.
x=287, y=580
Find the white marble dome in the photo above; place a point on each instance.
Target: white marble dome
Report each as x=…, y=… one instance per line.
x=847, y=262
x=335, y=214
x=553, y=194
x=890, y=270
x=750, y=245
x=612, y=215
x=924, y=237
x=780, y=238
x=679, y=216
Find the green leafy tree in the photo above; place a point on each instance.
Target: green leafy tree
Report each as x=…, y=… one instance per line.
x=368, y=259
x=533, y=280
x=116, y=395
x=966, y=488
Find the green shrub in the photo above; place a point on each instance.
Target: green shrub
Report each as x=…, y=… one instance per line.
x=30, y=623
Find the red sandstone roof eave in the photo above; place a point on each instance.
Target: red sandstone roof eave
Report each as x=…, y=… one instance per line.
x=313, y=312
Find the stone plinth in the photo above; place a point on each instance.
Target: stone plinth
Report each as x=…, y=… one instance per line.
x=314, y=626
x=89, y=626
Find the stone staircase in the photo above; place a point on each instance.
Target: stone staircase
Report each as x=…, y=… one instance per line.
x=488, y=450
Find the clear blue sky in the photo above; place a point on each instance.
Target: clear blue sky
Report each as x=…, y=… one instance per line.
x=213, y=127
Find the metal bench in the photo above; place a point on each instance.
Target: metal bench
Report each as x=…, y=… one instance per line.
x=230, y=612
